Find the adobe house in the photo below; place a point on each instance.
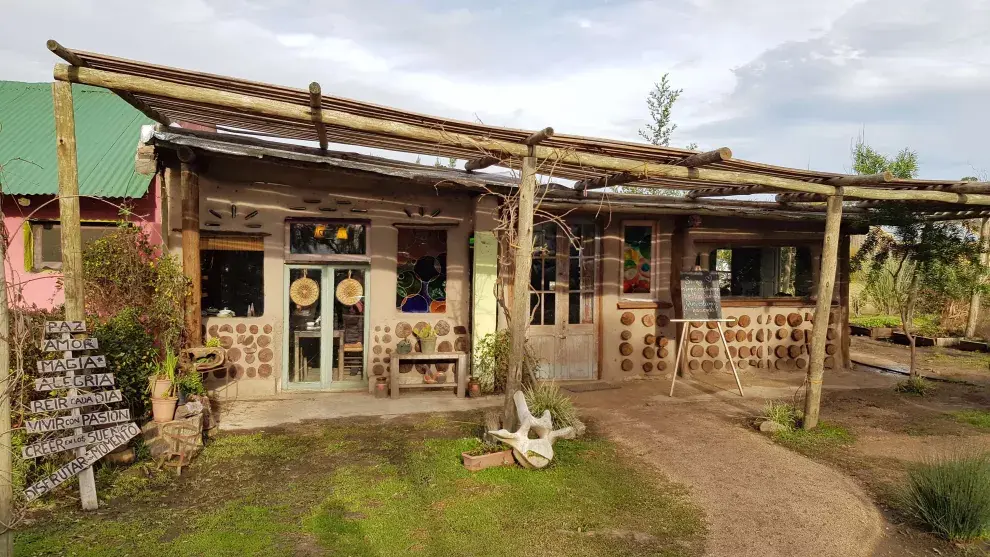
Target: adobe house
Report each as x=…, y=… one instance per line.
x=109, y=177
x=312, y=265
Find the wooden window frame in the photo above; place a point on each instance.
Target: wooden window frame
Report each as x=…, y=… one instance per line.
x=37, y=265
x=704, y=248
x=316, y=258
x=654, y=258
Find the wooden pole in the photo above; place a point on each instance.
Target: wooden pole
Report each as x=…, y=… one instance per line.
x=316, y=103
x=823, y=306
x=605, y=181
x=685, y=329
x=974, y=300
x=72, y=279
x=728, y=356
x=701, y=159
x=6, y=452
x=519, y=318
x=189, y=187
x=844, y=340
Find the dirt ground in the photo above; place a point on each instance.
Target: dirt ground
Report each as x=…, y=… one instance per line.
x=933, y=361
x=763, y=499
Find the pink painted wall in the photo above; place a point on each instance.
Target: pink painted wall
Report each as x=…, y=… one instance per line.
x=41, y=288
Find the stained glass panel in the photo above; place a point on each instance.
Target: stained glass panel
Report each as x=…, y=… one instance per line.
x=636, y=259
x=421, y=271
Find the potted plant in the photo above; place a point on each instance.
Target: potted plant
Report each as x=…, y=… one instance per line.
x=163, y=401
x=487, y=455
x=427, y=338
x=403, y=347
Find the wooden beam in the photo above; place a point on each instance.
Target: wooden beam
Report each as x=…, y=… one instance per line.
x=75, y=60
x=519, y=310
x=823, y=307
x=299, y=113
x=728, y=190
x=576, y=205
x=72, y=265
x=189, y=187
x=481, y=162
x=316, y=103
x=605, y=181
x=539, y=137
x=800, y=198
x=709, y=157
x=861, y=180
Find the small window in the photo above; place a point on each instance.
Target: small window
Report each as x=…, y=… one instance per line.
x=47, y=238
x=328, y=238
x=543, y=275
x=637, y=259
x=421, y=271
x=763, y=272
x=233, y=270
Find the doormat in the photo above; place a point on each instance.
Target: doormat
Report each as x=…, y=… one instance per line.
x=587, y=387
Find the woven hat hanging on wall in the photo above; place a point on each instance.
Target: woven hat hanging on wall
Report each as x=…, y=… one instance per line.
x=304, y=291
x=349, y=291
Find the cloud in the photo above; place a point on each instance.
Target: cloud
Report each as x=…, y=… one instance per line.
x=785, y=81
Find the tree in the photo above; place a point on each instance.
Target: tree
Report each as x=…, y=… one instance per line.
x=660, y=103
x=973, y=318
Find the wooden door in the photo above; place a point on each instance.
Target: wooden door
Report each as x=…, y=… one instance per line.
x=563, y=301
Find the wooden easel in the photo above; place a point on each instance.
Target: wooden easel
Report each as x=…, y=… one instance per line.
x=685, y=331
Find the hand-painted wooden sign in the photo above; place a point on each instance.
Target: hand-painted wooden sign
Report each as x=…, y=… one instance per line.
x=700, y=300
x=59, y=444
x=54, y=327
x=101, y=449
x=74, y=374
x=74, y=381
x=68, y=344
x=76, y=401
x=79, y=420
x=71, y=364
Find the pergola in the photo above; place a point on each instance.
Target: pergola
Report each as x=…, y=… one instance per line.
x=169, y=95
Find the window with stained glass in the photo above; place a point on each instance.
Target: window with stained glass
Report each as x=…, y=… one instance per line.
x=637, y=259
x=421, y=271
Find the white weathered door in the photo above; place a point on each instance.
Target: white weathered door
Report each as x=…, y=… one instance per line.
x=563, y=304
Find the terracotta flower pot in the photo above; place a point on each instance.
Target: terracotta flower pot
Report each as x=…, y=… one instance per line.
x=381, y=388
x=159, y=387
x=480, y=462
x=474, y=389
x=163, y=409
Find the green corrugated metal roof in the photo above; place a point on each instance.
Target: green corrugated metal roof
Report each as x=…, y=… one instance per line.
x=107, y=133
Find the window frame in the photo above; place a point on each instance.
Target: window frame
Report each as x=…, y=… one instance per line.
x=654, y=244
x=220, y=235
x=703, y=250
x=37, y=264
x=446, y=238
x=311, y=258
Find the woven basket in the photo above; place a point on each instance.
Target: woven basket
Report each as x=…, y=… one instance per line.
x=349, y=292
x=304, y=291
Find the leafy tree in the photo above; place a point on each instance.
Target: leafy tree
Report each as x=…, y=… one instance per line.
x=660, y=101
x=938, y=255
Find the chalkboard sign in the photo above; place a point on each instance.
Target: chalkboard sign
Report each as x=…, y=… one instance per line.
x=699, y=296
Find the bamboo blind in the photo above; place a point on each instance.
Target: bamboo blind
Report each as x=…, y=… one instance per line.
x=232, y=243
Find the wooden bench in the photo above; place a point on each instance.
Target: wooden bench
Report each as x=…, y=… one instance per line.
x=460, y=370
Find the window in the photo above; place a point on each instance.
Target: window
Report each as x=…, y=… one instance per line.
x=421, y=271
x=581, y=275
x=328, y=238
x=763, y=272
x=637, y=259
x=232, y=269
x=543, y=275
x=47, y=241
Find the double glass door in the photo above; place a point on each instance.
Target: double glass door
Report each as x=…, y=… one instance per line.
x=326, y=329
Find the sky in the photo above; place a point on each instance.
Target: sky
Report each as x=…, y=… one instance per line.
x=787, y=82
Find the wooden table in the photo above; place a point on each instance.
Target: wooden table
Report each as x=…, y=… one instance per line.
x=317, y=333
x=460, y=369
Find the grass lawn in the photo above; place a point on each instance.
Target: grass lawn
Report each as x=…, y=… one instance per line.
x=367, y=487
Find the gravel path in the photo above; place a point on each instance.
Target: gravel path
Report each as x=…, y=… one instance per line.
x=760, y=499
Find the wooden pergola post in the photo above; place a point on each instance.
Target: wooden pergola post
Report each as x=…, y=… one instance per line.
x=823, y=308
x=189, y=188
x=68, y=205
x=6, y=452
x=523, y=263
x=974, y=302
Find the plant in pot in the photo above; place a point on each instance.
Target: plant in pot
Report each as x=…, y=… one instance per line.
x=427, y=338
x=488, y=452
x=163, y=401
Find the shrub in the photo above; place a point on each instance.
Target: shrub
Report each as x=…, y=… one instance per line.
x=492, y=367
x=824, y=439
x=125, y=270
x=547, y=396
x=782, y=413
x=951, y=496
x=191, y=383
x=131, y=355
x=918, y=386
